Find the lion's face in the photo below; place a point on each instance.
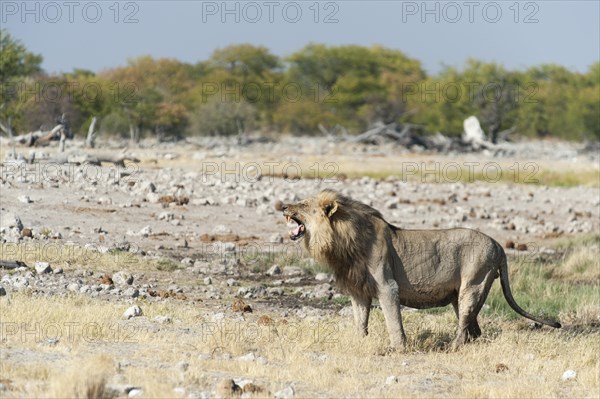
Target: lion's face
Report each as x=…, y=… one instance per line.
x=310, y=215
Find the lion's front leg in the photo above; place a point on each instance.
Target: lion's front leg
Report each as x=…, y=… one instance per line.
x=361, y=308
x=389, y=299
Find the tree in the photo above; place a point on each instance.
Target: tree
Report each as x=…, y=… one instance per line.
x=16, y=65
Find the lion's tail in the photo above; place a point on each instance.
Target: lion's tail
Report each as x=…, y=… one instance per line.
x=511, y=300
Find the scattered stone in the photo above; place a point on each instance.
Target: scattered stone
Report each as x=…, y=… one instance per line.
x=241, y=306
x=122, y=278
x=232, y=282
x=285, y=393
x=24, y=199
x=42, y=267
x=135, y=392
x=293, y=271
x=105, y=279
x=221, y=229
x=249, y=357
x=131, y=292
x=274, y=270
x=145, y=232
x=133, y=311
x=501, y=367
x=182, y=366
x=227, y=388
x=392, y=379
x=276, y=238
x=323, y=277
x=9, y=220
x=163, y=319
x=73, y=287
x=208, y=280
x=522, y=247
x=568, y=375
x=58, y=271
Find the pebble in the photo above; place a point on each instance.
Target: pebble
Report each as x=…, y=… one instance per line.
x=323, y=277
x=286, y=393
x=568, y=375
x=131, y=292
x=2, y=291
x=133, y=311
x=392, y=379
x=42, y=267
x=274, y=270
x=208, y=281
x=122, y=278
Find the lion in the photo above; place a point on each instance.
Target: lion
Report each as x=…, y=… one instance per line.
x=370, y=258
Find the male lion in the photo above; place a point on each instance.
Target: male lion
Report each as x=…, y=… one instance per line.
x=418, y=268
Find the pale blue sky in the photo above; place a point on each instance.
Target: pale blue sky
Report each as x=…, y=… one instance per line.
x=561, y=32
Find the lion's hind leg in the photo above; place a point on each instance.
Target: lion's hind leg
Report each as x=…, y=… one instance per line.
x=470, y=300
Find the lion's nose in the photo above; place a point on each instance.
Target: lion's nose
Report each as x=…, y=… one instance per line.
x=280, y=206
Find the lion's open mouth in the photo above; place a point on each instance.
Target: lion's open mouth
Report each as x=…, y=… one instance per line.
x=298, y=231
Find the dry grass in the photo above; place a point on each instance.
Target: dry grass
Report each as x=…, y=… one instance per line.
x=322, y=357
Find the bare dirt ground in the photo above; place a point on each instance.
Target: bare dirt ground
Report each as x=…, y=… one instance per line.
x=190, y=235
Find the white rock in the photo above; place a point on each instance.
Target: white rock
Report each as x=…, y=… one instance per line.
x=568, y=375
x=276, y=238
x=42, y=267
x=122, y=278
x=221, y=229
x=146, y=231
x=135, y=392
x=248, y=357
x=74, y=287
x=208, y=281
x=133, y=311
x=392, y=379
x=9, y=220
x=274, y=270
x=24, y=199
x=322, y=277
x=285, y=393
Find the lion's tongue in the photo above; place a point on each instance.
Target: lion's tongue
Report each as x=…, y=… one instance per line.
x=295, y=232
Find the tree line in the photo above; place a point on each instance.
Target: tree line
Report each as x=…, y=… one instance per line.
x=244, y=88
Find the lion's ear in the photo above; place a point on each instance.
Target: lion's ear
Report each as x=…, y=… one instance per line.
x=330, y=208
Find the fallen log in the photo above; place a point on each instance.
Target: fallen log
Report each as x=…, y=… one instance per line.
x=11, y=264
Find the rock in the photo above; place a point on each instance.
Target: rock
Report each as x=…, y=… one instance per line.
x=221, y=229
x=163, y=319
x=275, y=291
x=153, y=198
x=135, y=392
x=323, y=277
x=131, y=292
x=145, y=232
x=26, y=232
x=208, y=281
x=58, y=271
x=182, y=366
x=249, y=357
x=133, y=311
x=293, y=271
x=42, y=267
x=227, y=388
x=232, y=282
x=73, y=287
x=274, y=270
x=2, y=291
x=285, y=393
x=9, y=220
x=167, y=216
x=392, y=379
x=122, y=278
x=568, y=375
x=187, y=261
x=276, y=238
